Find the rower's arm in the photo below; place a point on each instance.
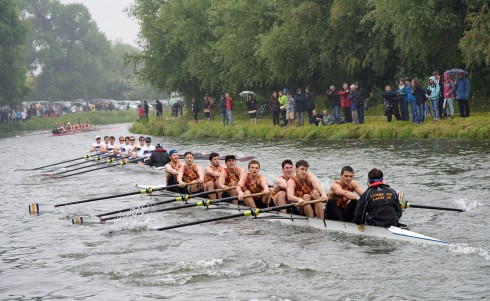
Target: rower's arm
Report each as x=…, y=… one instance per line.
x=201, y=174
x=290, y=192
x=265, y=185
x=241, y=184
x=318, y=187
x=131, y=151
x=222, y=178
x=282, y=183
x=337, y=189
x=180, y=175
x=357, y=188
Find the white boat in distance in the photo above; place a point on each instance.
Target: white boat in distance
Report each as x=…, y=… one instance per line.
x=393, y=233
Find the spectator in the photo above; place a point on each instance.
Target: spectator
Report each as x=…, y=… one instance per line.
x=229, y=108
x=195, y=110
x=420, y=98
x=283, y=101
x=391, y=103
x=334, y=97
x=222, y=105
x=345, y=102
x=352, y=96
x=141, y=112
x=316, y=118
x=146, y=107
x=328, y=119
x=290, y=109
x=360, y=102
x=411, y=99
x=448, y=93
x=174, y=106
x=462, y=89
x=158, y=108
x=432, y=94
x=207, y=104
x=252, y=109
x=275, y=108
x=440, y=103
x=300, y=108
x=402, y=91
x=309, y=103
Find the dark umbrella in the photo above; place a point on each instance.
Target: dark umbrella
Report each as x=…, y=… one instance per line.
x=455, y=71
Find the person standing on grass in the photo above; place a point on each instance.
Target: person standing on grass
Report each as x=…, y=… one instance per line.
x=283, y=101
x=334, y=97
x=462, y=89
x=275, y=108
x=222, y=105
x=252, y=109
x=345, y=102
x=290, y=109
x=229, y=108
x=448, y=92
x=195, y=110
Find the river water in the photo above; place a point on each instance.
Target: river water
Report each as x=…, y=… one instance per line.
x=46, y=257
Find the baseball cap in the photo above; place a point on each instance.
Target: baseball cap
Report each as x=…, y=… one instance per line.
x=172, y=151
x=229, y=157
x=97, y=137
x=158, y=146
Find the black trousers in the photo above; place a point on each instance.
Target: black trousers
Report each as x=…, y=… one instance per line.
x=464, y=108
x=335, y=213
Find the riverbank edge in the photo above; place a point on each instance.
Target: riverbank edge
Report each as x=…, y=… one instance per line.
x=93, y=118
x=477, y=127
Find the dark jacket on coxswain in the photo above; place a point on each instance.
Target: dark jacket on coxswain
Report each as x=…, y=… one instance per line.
x=378, y=206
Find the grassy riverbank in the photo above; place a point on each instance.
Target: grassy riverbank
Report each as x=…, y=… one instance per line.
x=477, y=127
x=93, y=118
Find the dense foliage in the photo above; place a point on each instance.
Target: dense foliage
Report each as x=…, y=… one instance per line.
x=12, y=33
x=233, y=45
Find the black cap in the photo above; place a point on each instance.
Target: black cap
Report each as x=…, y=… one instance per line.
x=229, y=157
x=158, y=146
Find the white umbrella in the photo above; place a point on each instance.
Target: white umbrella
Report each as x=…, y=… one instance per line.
x=246, y=93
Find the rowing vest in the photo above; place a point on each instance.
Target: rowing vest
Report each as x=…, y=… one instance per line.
x=96, y=146
x=343, y=201
x=209, y=178
x=255, y=187
x=110, y=148
x=124, y=148
x=190, y=175
x=139, y=151
x=274, y=191
x=231, y=177
x=179, y=165
x=300, y=190
x=147, y=150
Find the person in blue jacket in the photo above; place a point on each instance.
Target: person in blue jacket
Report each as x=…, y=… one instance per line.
x=462, y=89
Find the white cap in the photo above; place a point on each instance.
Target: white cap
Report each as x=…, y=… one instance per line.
x=97, y=137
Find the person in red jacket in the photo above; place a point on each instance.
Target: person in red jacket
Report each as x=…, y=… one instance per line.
x=345, y=102
x=141, y=112
x=229, y=108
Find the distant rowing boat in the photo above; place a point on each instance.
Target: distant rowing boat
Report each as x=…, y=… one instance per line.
x=392, y=233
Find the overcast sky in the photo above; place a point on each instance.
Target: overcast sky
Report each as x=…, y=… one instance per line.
x=111, y=18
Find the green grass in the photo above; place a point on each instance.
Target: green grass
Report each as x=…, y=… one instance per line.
x=93, y=118
x=477, y=127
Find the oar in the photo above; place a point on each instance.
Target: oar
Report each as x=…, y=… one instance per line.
x=97, y=158
x=199, y=156
x=184, y=198
x=85, y=171
x=408, y=205
x=35, y=208
x=252, y=212
x=198, y=204
x=84, y=157
x=107, y=161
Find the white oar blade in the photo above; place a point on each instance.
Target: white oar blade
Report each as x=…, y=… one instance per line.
x=36, y=208
x=81, y=220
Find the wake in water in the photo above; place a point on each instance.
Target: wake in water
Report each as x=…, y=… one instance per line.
x=468, y=204
x=463, y=248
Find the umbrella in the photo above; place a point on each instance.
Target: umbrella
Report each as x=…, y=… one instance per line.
x=246, y=93
x=455, y=71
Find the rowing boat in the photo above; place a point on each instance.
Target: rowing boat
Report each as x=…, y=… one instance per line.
x=391, y=233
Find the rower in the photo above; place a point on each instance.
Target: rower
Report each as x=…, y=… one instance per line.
x=379, y=204
x=253, y=182
x=172, y=170
x=103, y=145
x=95, y=147
x=278, y=190
x=137, y=149
x=211, y=175
x=125, y=146
x=190, y=173
x=303, y=187
x=342, y=197
x=111, y=148
x=229, y=176
x=146, y=151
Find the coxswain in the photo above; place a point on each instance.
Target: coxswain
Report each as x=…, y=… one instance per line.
x=95, y=147
x=190, y=174
x=278, y=190
x=343, y=196
x=253, y=182
x=229, y=176
x=172, y=170
x=158, y=158
x=211, y=175
x=379, y=204
x=303, y=187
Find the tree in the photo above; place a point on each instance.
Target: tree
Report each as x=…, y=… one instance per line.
x=13, y=72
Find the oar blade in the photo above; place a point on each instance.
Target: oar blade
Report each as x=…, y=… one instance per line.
x=82, y=220
x=36, y=208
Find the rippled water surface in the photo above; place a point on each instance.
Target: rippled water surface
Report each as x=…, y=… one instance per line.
x=46, y=257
